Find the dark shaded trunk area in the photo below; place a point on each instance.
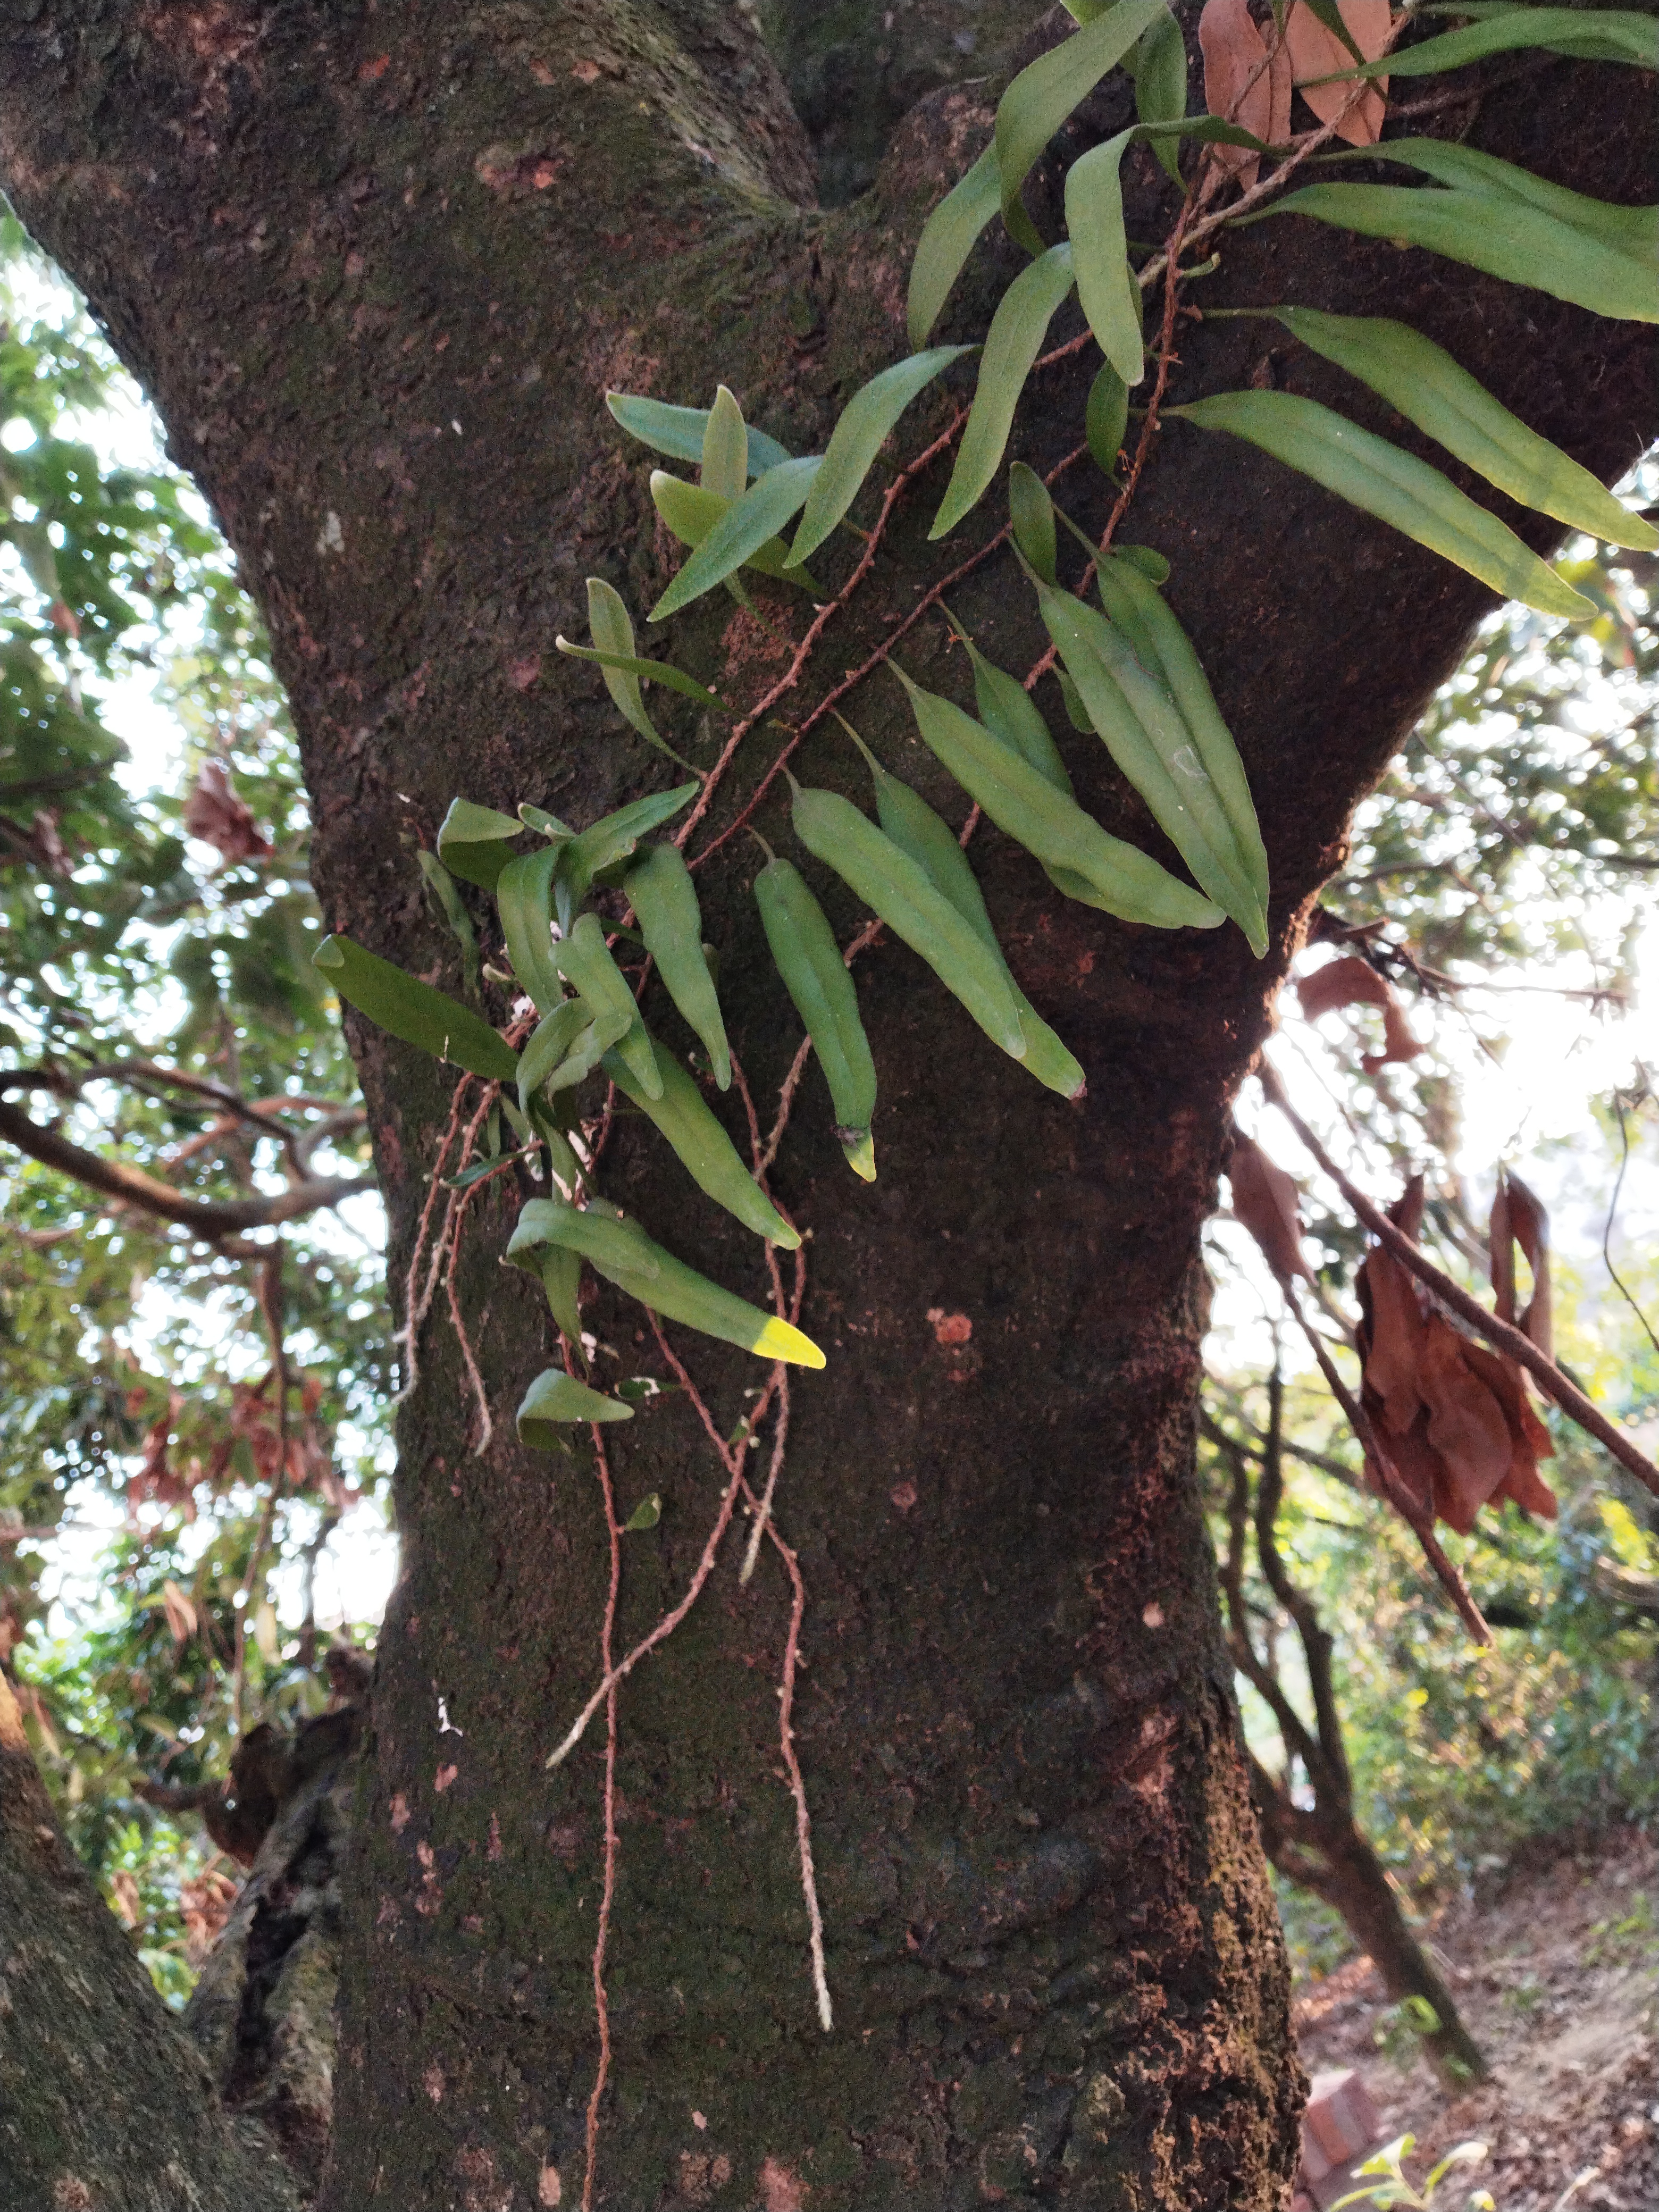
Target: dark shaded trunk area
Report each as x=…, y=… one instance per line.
x=377, y=270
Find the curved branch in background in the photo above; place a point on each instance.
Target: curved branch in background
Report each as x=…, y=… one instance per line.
x=209, y=1218
x=1498, y=1333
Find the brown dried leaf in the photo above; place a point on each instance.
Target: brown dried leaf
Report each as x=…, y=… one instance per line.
x=124, y=1896
x=1316, y=51
x=1266, y=1201
x=1351, y=982
x=1391, y=1341
x=1529, y=1440
x=180, y=1611
x=1519, y=1217
x=1238, y=88
x=1467, y=1428
x=214, y=814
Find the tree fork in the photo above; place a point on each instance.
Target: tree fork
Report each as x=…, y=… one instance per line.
x=376, y=269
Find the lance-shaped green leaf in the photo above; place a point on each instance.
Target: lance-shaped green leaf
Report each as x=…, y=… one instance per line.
x=1106, y=418
x=1111, y=875
x=1597, y=34
x=865, y=422
x=804, y=948
x=1427, y=387
x=646, y=1514
x=554, y=1399
x=1012, y=345
x=725, y=457
x=1009, y=711
x=664, y=901
x=1631, y=230
x=614, y=650
x=1106, y=286
x=647, y=672
x=705, y=1151
x=1607, y=268
x=445, y=891
x=1160, y=67
x=947, y=239
x=746, y=527
x=625, y=1255
x=1371, y=474
x=893, y=887
x=1135, y=605
x=1044, y=94
x=412, y=1010
x=524, y=899
x=679, y=431
x=474, y=842
x=693, y=514
x=1142, y=728
x=1031, y=514
x=614, y=837
x=567, y=1046
x=584, y=959
x=914, y=827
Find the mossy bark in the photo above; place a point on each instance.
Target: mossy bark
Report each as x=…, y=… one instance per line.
x=377, y=267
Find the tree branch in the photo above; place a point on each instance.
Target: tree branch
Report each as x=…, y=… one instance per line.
x=209, y=1218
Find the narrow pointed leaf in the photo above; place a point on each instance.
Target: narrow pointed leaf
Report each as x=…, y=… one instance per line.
x=614, y=836
x=664, y=901
x=1628, y=229
x=1427, y=387
x=612, y=627
x=725, y=456
x=624, y=1255
x=647, y=672
x=1013, y=343
x=679, y=431
x=524, y=899
x=707, y=1154
x=1142, y=728
x=1501, y=232
x=741, y=531
x=1009, y=711
x=1602, y=34
x=1126, y=590
x=1031, y=511
x=865, y=422
x=474, y=842
x=1373, y=475
x=1111, y=875
x=1106, y=287
x=412, y=1010
x=693, y=514
x=444, y=890
x=1106, y=418
x=1160, y=67
x=914, y=827
x=1045, y=93
x=584, y=959
x=892, y=886
x=555, y=1399
x=947, y=239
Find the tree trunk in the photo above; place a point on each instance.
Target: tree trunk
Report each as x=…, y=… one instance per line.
x=376, y=267
x=105, y=2105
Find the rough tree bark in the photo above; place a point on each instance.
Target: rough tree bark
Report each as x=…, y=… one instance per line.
x=376, y=266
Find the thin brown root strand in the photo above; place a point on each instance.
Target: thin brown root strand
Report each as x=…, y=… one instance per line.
x=601, y=2001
